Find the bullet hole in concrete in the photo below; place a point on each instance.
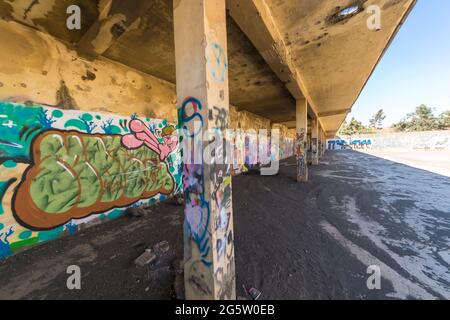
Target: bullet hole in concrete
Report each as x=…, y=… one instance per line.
x=90, y=76
x=118, y=29
x=23, y=85
x=340, y=14
x=44, y=73
x=1, y=84
x=306, y=42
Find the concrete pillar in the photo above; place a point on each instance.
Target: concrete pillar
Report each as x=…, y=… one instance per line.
x=315, y=141
x=301, y=140
x=319, y=142
x=320, y=151
x=203, y=98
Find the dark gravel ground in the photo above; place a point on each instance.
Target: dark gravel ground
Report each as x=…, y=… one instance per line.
x=281, y=246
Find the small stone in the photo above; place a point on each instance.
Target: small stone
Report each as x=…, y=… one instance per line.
x=146, y=258
x=136, y=212
x=180, y=201
x=161, y=247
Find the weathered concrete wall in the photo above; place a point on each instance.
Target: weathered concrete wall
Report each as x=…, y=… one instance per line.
x=60, y=169
x=36, y=68
x=68, y=152
x=287, y=140
x=428, y=140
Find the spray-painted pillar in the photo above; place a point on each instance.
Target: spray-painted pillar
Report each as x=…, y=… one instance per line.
x=319, y=142
x=301, y=140
x=324, y=143
x=203, y=98
x=315, y=141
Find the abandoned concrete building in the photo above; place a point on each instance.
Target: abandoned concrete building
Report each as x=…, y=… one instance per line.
x=89, y=115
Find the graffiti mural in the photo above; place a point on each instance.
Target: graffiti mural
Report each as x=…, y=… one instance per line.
x=300, y=154
x=59, y=169
x=197, y=208
x=424, y=140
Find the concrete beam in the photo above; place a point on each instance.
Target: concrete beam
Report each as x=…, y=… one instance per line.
x=203, y=95
x=289, y=124
x=115, y=18
x=333, y=113
x=255, y=20
x=301, y=140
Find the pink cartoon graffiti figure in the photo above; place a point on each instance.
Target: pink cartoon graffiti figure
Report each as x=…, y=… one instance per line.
x=141, y=135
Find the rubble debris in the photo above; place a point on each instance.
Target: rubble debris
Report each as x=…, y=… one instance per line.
x=177, y=200
x=146, y=258
x=255, y=294
x=136, y=212
x=161, y=247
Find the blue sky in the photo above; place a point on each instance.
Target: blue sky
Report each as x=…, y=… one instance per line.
x=414, y=70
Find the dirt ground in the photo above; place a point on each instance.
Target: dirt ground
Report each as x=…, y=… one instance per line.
x=292, y=241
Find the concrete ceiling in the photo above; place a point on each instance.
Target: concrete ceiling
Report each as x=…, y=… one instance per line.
x=148, y=46
x=333, y=55
x=279, y=50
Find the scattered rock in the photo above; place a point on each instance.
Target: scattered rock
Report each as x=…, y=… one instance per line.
x=136, y=212
x=180, y=200
x=146, y=258
x=253, y=293
x=177, y=200
x=161, y=247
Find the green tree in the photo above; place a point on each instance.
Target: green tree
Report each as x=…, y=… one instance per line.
x=422, y=119
x=444, y=120
x=354, y=127
x=376, y=122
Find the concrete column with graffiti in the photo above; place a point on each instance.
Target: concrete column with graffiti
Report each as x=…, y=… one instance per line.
x=203, y=98
x=319, y=142
x=315, y=141
x=301, y=140
x=324, y=143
